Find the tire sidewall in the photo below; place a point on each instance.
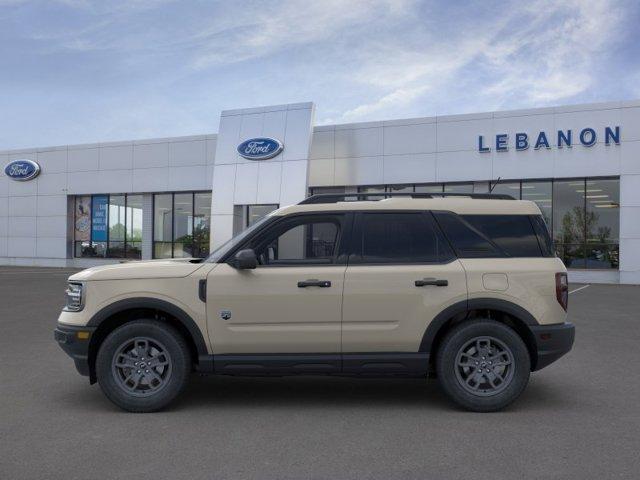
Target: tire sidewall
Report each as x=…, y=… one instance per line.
x=446, y=365
x=176, y=348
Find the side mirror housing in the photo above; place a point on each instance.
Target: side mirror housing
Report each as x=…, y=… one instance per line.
x=245, y=259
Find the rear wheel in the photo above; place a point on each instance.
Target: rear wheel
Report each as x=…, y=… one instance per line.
x=143, y=365
x=483, y=365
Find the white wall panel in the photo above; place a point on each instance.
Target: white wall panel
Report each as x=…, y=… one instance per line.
x=22, y=188
x=269, y=180
x=362, y=142
x=54, y=161
x=321, y=172
x=359, y=171
x=22, y=227
x=83, y=159
x=150, y=179
x=118, y=157
x=294, y=182
x=630, y=192
x=297, y=136
x=630, y=124
x=188, y=153
x=51, y=205
x=151, y=155
x=408, y=168
x=21, y=247
x=453, y=166
x=630, y=157
x=188, y=178
x=22, y=206
x=54, y=226
x=246, y=186
x=51, y=247
x=52, y=184
x=322, y=145
x=455, y=136
x=420, y=138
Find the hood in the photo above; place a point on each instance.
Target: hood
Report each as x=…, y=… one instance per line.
x=170, y=268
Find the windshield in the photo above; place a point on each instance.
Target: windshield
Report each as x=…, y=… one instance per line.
x=230, y=244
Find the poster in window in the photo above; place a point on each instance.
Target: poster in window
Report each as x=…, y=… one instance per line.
x=83, y=219
x=99, y=218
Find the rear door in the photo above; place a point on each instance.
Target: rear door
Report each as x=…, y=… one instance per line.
x=401, y=274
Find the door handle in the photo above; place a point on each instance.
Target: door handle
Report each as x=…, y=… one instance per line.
x=431, y=281
x=314, y=283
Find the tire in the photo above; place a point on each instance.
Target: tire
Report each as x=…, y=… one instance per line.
x=491, y=348
x=138, y=385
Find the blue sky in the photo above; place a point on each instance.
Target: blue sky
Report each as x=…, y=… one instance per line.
x=75, y=71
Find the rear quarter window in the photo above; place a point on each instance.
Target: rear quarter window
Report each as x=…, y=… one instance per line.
x=514, y=234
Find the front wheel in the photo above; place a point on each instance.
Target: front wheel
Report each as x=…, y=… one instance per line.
x=483, y=365
x=143, y=365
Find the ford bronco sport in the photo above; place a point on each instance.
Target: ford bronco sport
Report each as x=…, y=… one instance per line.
x=463, y=288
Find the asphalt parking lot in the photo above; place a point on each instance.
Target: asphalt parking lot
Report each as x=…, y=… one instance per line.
x=579, y=418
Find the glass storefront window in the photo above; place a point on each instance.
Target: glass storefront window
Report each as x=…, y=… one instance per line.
x=256, y=212
x=507, y=188
x=134, y=226
x=435, y=188
x=201, y=224
x=400, y=189
x=542, y=194
x=182, y=224
x=106, y=227
x=458, y=188
x=481, y=187
x=568, y=212
x=603, y=211
x=372, y=189
x=162, y=225
x=116, y=226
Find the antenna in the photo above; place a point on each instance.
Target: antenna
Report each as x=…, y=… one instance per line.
x=494, y=185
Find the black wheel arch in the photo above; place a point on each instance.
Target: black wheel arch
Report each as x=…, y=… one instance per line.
x=503, y=311
x=122, y=311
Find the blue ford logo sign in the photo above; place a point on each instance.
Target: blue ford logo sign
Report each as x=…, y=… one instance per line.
x=260, y=148
x=22, y=170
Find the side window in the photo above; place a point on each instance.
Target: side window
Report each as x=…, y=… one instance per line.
x=467, y=242
x=512, y=233
x=544, y=239
x=402, y=238
x=303, y=242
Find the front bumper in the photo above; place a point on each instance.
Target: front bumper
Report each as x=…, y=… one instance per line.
x=552, y=342
x=75, y=342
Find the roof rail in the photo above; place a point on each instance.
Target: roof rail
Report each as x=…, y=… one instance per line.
x=346, y=197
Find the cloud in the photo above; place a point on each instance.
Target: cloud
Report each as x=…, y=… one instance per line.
x=248, y=33
x=540, y=53
x=161, y=67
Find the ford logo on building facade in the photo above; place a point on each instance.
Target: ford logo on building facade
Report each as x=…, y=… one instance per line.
x=260, y=148
x=22, y=170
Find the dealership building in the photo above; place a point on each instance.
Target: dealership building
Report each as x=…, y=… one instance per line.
x=84, y=205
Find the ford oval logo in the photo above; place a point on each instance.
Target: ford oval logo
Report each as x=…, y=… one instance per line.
x=260, y=148
x=22, y=170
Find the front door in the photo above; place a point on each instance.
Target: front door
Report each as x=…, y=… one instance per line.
x=400, y=276
x=292, y=302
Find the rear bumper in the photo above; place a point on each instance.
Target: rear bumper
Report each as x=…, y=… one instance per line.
x=552, y=342
x=74, y=345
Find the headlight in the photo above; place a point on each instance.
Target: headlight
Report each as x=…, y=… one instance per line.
x=75, y=297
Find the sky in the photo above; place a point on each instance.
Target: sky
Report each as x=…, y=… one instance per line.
x=79, y=71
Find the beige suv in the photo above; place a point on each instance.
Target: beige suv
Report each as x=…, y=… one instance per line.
x=465, y=288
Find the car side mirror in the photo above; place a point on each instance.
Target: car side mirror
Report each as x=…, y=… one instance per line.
x=245, y=259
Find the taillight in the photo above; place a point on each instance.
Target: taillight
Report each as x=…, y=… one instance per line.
x=562, y=290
